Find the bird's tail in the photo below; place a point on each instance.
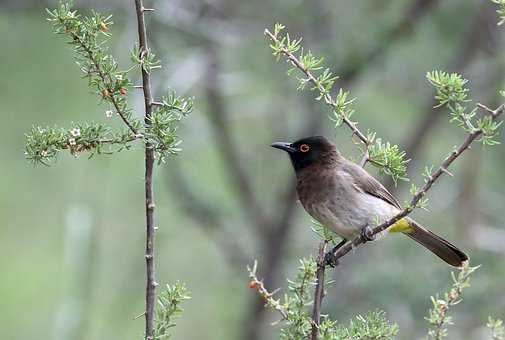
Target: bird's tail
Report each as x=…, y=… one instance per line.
x=437, y=245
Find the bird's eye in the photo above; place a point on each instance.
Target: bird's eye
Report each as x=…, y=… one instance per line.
x=304, y=148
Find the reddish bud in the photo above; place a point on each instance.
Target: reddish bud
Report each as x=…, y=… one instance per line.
x=253, y=285
x=103, y=27
x=122, y=91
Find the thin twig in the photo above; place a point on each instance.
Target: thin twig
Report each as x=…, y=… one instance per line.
x=102, y=76
x=327, y=97
x=488, y=110
x=441, y=305
x=365, y=158
x=429, y=183
x=93, y=144
x=149, y=163
x=318, y=292
x=264, y=293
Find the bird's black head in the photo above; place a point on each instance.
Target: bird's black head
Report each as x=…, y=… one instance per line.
x=308, y=151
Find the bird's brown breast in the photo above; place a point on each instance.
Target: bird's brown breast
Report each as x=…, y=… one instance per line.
x=316, y=187
x=329, y=196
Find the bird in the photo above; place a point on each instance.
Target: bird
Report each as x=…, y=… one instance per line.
x=345, y=198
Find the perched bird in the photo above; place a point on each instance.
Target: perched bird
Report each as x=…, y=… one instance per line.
x=345, y=198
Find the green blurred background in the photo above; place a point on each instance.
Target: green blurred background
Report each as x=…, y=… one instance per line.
x=72, y=235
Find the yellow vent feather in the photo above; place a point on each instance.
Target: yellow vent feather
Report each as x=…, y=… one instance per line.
x=402, y=226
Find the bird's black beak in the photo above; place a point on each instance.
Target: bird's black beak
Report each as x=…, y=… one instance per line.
x=288, y=147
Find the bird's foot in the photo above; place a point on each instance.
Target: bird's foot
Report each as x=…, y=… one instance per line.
x=329, y=257
x=367, y=234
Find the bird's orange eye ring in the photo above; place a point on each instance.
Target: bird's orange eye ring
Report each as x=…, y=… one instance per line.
x=304, y=148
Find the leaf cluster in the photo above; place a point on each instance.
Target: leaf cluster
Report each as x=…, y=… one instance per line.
x=147, y=60
x=501, y=10
x=371, y=326
x=496, y=327
x=161, y=131
x=44, y=144
x=342, y=108
x=169, y=307
x=389, y=158
x=437, y=316
x=298, y=322
x=452, y=93
x=321, y=78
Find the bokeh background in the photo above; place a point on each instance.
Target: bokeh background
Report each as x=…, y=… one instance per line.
x=72, y=235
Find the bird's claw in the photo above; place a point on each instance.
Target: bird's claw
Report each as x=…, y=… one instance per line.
x=367, y=234
x=330, y=260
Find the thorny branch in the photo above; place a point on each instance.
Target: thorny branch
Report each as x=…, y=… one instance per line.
x=438, y=315
x=257, y=284
x=329, y=100
x=318, y=292
x=158, y=132
x=149, y=164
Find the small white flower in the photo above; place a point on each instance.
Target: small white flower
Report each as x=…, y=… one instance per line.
x=108, y=113
x=71, y=141
x=76, y=132
x=119, y=77
x=44, y=153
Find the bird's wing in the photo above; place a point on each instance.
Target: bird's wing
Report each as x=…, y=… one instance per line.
x=367, y=183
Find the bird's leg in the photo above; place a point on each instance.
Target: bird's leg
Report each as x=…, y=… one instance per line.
x=367, y=234
x=329, y=258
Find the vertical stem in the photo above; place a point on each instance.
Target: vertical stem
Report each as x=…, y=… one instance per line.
x=149, y=157
x=319, y=292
